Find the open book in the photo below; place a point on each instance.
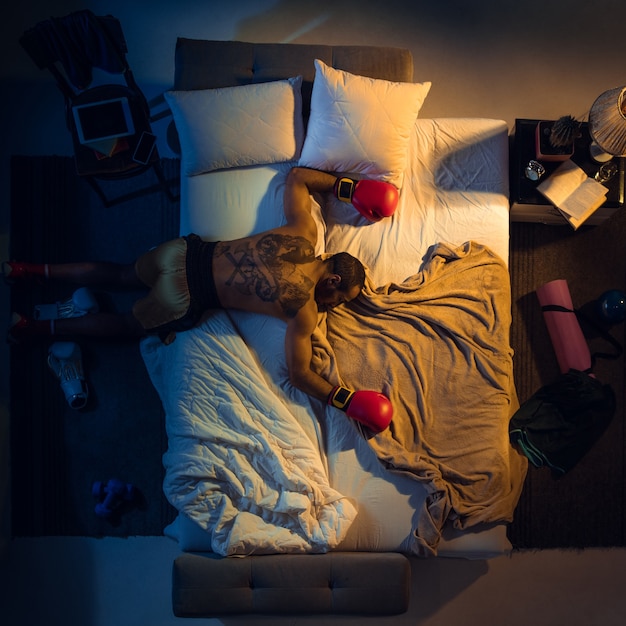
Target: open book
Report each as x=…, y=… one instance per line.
x=574, y=193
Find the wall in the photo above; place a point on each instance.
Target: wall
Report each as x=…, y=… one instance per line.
x=497, y=58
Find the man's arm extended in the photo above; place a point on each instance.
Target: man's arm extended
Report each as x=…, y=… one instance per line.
x=371, y=408
x=299, y=352
x=301, y=183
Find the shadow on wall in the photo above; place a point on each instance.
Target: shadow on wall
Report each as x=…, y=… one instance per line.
x=482, y=59
x=488, y=25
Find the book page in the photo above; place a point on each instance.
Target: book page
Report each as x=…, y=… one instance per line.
x=574, y=193
x=588, y=197
x=562, y=182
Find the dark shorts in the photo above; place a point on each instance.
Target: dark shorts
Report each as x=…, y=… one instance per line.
x=180, y=276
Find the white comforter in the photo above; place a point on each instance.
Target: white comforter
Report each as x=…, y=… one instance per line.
x=239, y=462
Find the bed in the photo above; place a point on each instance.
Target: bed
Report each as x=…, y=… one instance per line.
x=255, y=467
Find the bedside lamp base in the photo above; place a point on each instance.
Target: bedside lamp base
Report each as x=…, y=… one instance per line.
x=598, y=154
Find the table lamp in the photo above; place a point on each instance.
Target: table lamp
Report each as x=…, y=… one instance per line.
x=607, y=125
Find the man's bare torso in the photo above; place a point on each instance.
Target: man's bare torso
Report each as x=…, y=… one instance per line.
x=273, y=273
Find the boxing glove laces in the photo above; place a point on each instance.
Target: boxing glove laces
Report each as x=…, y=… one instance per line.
x=370, y=408
x=373, y=199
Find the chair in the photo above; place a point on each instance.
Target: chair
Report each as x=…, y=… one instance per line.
x=106, y=121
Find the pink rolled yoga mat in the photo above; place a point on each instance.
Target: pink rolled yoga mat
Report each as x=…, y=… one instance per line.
x=568, y=341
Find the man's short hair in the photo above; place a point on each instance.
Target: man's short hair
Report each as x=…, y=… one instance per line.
x=350, y=270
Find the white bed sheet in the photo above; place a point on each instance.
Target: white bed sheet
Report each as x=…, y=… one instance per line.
x=456, y=189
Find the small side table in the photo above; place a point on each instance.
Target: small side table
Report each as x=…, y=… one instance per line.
x=528, y=204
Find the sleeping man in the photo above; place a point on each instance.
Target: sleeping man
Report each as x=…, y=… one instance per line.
x=273, y=273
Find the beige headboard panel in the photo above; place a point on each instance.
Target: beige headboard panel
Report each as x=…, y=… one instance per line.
x=205, y=64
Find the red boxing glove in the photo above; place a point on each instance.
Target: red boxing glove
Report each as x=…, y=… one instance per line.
x=371, y=408
x=373, y=199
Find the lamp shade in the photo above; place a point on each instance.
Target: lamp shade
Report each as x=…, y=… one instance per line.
x=607, y=121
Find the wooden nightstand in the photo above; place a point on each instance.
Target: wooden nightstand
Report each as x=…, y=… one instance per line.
x=528, y=205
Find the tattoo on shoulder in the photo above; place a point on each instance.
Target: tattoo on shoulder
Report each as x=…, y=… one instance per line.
x=271, y=269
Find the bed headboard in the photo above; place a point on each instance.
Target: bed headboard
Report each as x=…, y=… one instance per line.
x=206, y=64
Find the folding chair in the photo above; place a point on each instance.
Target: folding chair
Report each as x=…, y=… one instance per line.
x=109, y=123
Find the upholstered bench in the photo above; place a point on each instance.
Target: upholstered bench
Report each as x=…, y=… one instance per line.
x=207, y=585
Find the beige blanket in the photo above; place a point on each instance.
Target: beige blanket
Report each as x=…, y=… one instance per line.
x=438, y=346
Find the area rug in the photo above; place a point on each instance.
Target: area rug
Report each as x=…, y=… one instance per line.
x=585, y=507
x=58, y=454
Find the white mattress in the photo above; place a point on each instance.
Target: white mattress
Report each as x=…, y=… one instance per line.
x=455, y=190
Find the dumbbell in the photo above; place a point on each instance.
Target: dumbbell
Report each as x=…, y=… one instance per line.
x=111, y=496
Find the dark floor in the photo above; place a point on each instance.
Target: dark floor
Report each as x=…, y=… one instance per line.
x=586, y=506
x=59, y=453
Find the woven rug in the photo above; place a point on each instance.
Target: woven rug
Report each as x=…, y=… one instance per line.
x=59, y=453
x=584, y=508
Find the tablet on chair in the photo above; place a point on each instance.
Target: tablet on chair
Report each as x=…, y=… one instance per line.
x=104, y=120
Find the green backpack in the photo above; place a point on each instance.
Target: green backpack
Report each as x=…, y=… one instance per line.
x=558, y=425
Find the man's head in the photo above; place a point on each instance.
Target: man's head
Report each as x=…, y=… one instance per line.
x=343, y=281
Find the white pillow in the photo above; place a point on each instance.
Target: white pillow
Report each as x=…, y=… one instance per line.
x=361, y=125
x=237, y=126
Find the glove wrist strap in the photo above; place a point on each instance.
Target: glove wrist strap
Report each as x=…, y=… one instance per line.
x=344, y=188
x=340, y=397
